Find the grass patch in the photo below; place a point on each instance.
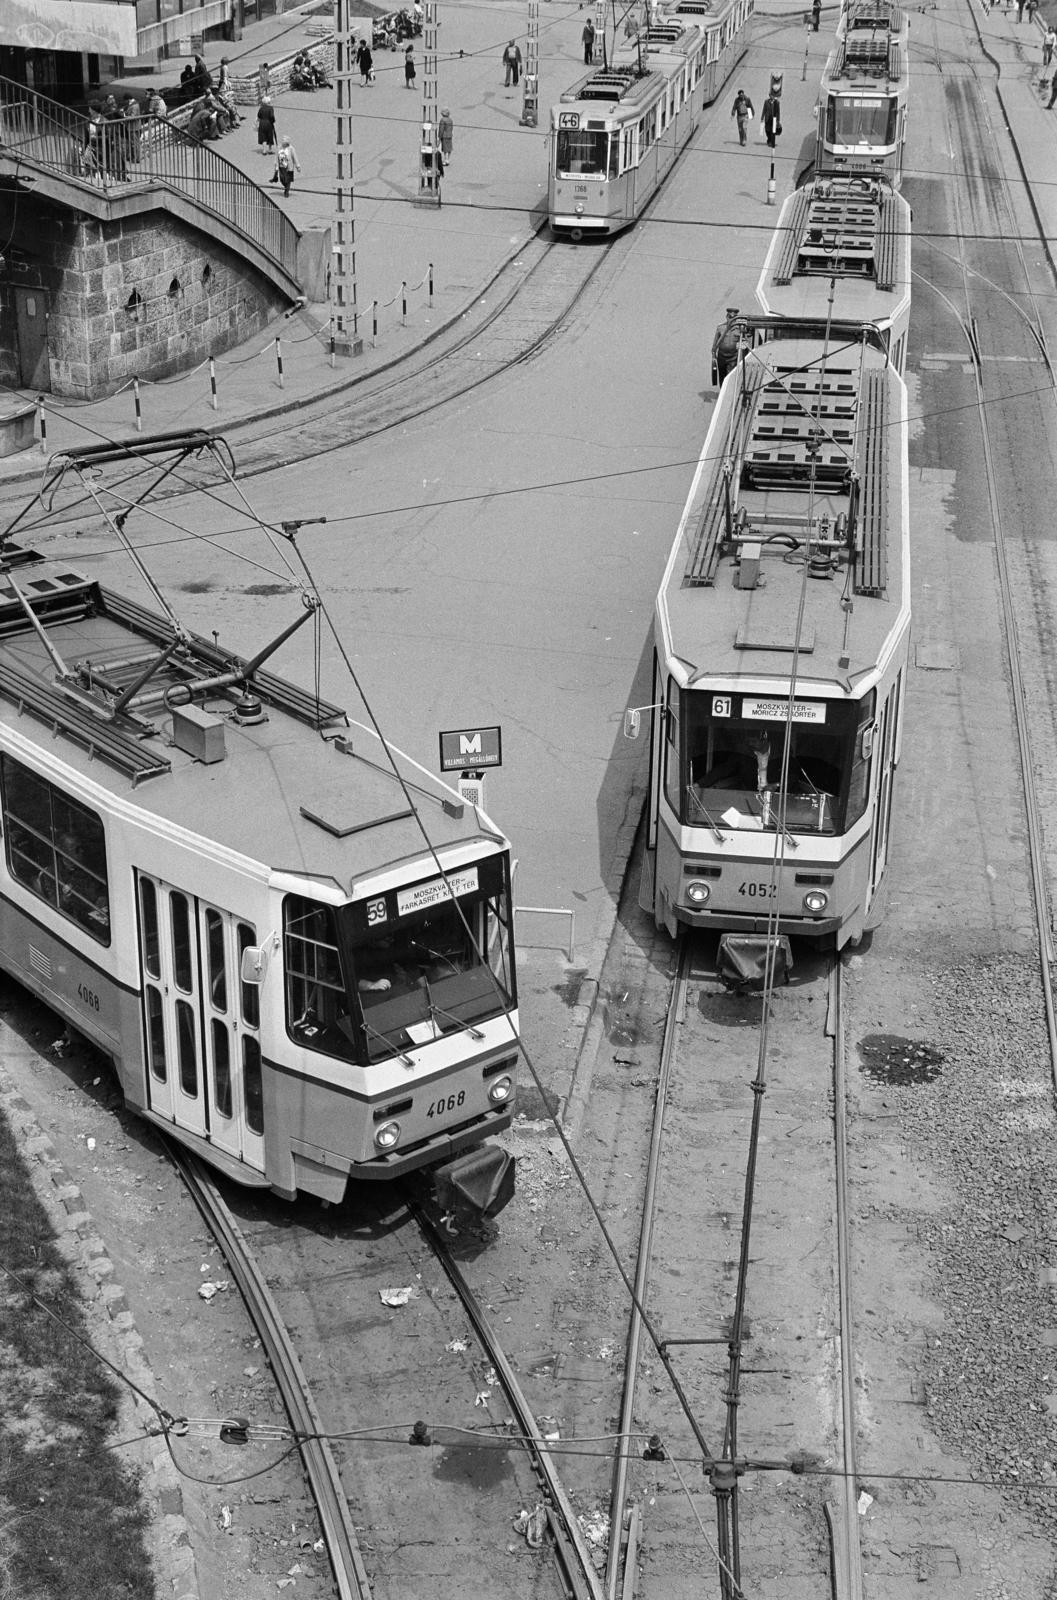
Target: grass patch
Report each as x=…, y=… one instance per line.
x=72, y=1522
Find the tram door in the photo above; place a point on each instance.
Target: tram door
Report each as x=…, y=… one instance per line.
x=200, y=1022
x=886, y=754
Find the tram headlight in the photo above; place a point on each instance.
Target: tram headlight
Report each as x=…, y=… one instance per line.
x=815, y=901
x=500, y=1090
x=697, y=892
x=388, y=1135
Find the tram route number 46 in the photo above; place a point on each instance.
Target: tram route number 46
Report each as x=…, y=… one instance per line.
x=446, y=1103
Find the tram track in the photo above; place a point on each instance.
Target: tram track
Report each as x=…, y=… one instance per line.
x=574, y=1573
x=1002, y=327
x=513, y=320
x=798, y=1419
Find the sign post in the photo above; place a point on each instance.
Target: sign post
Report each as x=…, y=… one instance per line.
x=468, y=751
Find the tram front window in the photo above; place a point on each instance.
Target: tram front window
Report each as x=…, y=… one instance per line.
x=733, y=763
x=581, y=153
x=855, y=120
x=369, y=979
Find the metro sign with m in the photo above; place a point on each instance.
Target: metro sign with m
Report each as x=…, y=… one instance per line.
x=463, y=748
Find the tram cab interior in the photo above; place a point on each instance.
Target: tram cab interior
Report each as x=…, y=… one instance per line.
x=733, y=763
x=364, y=986
x=860, y=121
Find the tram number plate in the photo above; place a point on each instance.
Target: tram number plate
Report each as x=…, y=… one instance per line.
x=88, y=997
x=758, y=891
x=446, y=1103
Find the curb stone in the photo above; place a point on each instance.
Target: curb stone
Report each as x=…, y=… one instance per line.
x=172, y=1555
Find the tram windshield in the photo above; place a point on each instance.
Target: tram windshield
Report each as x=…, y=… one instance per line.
x=860, y=120
x=585, y=153
x=381, y=975
x=732, y=757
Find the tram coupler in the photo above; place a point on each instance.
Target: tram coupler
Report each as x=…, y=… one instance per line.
x=744, y=960
x=477, y=1184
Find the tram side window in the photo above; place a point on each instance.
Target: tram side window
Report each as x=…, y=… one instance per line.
x=252, y=1085
x=672, y=783
x=249, y=994
x=56, y=848
x=317, y=1007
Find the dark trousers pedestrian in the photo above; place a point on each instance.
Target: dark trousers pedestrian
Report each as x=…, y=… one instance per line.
x=743, y=129
x=286, y=178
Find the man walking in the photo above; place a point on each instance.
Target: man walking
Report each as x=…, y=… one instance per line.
x=1049, y=41
x=512, y=63
x=744, y=111
x=286, y=162
x=589, y=43
x=772, y=119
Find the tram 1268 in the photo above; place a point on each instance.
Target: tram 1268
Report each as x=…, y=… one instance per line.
x=294, y=942
x=616, y=134
x=781, y=644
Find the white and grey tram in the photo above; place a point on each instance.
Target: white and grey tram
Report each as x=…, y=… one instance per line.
x=781, y=645
x=842, y=250
x=297, y=952
x=616, y=134
x=862, y=109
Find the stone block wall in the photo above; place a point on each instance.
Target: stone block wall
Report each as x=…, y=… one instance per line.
x=146, y=297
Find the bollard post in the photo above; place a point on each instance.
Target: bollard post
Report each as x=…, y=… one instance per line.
x=212, y=383
x=332, y=344
x=279, y=359
x=374, y=323
x=431, y=283
x=403, y=302
x=139, y=409
x=770, y=187
x=42, y=419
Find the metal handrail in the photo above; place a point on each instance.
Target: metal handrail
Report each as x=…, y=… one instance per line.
x=120, y=158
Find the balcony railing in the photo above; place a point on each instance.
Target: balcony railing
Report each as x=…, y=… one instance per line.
x=127, y=157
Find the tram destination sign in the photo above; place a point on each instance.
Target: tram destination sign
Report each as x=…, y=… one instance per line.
x=465, y=748
x=777, y=710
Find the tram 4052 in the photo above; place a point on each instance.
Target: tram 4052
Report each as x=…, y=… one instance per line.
x=294, y=942
x=781, y=645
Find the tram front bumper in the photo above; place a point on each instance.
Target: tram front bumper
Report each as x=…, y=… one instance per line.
x=434, y=1151
x=733, y=922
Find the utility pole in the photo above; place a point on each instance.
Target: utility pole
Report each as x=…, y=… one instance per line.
x=531, y=102
x=428, y=161
x=344, y=321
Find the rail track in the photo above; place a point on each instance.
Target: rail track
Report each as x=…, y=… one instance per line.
x=573, y=1573
x=780, y=1454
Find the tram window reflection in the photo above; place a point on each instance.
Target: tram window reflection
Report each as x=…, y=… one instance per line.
x=56, y=848
x=582, y=153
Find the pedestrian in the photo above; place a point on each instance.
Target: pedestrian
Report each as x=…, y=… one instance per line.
x=94, y=152
x=743, y=110
x=816, y=14
x=365, y=62
x=1033, y=6
x=266, y=125
x=772, y=119
x=286, y=162
x=114, y=141
x=588, y=37
x=409, y=67
x=226, y=93
x=264, y=81
x=445, y=133
x=156, y=106
x=512, y=63
x=1053, y=94
x=203, y=78
x=1020, y=10
x=1049, y=41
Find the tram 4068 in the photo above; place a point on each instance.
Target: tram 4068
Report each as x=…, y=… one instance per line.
x=616, y=134
x=294, y=942
x=781, y=641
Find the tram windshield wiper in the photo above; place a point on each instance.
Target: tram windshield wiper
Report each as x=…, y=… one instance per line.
x=438, y=1011
x=401, y=1055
